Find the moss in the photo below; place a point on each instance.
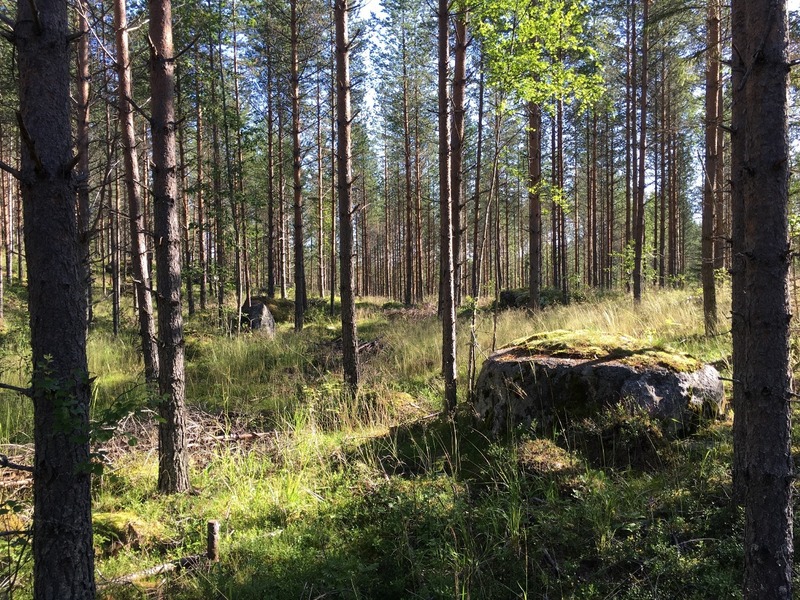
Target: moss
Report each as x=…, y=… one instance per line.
x=595, y=345
x=125, y=529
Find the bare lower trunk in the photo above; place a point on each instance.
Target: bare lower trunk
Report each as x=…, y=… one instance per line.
x=457, y=143
x=345, y=184
x=299, y=254
x=173, y=463
x=713, y=137
x=63, y=556
x=534, y=201
x=447, y=303
x=82, y=143
x=141, y=273
x=638, y=229
x=763, y=470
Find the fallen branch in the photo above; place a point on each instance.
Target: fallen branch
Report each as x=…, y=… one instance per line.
x=235, y=437
x=16, y=483
x=13, y=533
x=187, y=562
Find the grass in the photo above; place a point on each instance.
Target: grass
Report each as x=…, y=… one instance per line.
x=382, y=498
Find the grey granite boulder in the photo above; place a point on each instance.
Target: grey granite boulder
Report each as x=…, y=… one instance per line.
x=523, y=385
x=257, y=317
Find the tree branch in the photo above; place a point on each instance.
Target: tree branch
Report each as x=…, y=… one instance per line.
x=24, y=391
x=17, y=532
x=10, y=170
x=26, y=138
x=4, y=462
x=37, y=21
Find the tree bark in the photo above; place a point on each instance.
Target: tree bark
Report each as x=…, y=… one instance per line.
x=345, y=185
x=447, y=304
x=200, y=198
x=299, y=254
x=141, y=273
x=713, y=137
x=63, y=555
x=638, y=229
x=477, y=244
x=763, y=470
x=534, y=202
x=457, y=146
x=408, y=241
x=173, y=459
x=82, y=144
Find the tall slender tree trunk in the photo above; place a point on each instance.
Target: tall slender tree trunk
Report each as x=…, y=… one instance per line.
x=200, y=199
x=333, y=190
x=534, y=202
x=82, y=143
x=219, y=210
x=236, y=217
x=299, y=254
x=173, y=459
x=713, y=137
x=476, y=215
x=141, y=273
x=638, y=229
x=63, y=555
x=446, y=209
x=345, y=187
x=408, y=238
x=457, y=146
x=282, y=267
x=186, y=236
x=271, y=180
x=420, y=290
x=763, y=469
x=320, y=198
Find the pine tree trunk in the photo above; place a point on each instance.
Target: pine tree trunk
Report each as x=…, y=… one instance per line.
x=299, y=255
x=220, y=269
x=638, y=229
x=408, y=238
x=185, y=215
x=763, y=470
x=82, y=142
x=270, y=180
x=199, y=199
x=476, y=215
x=713, y=137
x=457, y=149
x=446, y=203
x=173, y=459
x=534, y=202
x=63, y=556
x=141, y=273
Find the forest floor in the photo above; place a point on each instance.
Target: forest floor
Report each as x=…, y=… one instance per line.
x=382, y=497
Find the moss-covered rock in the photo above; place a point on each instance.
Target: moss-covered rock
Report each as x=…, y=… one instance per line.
x=559, y=377
x=124, y=529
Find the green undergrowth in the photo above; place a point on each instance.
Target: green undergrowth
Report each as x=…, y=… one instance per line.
x=382, y=497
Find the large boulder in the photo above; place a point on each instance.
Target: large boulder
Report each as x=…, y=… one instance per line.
x=558, y=377
x=257, y=317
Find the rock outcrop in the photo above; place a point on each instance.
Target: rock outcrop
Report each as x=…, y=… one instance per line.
x=558, y=377
x=257, y=317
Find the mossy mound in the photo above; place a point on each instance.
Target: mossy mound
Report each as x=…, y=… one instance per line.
x=596, y=345
x=115, y=530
